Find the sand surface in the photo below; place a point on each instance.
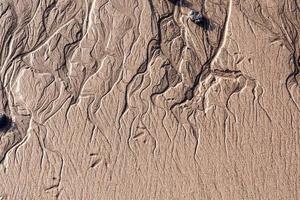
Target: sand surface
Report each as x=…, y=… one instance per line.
x=137, y=100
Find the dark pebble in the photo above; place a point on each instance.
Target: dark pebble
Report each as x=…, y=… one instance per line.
x=203, y=22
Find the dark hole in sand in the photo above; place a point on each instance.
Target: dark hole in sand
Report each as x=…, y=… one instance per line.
x=4, y=122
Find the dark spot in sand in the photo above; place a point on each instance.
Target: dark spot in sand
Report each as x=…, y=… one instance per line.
x=5, y=122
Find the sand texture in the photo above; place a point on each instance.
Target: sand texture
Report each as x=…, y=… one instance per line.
x=149, y=100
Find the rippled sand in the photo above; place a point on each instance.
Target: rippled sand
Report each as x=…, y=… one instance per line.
x=149, y=100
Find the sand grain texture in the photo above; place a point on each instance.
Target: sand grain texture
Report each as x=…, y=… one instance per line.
x=134, y=100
